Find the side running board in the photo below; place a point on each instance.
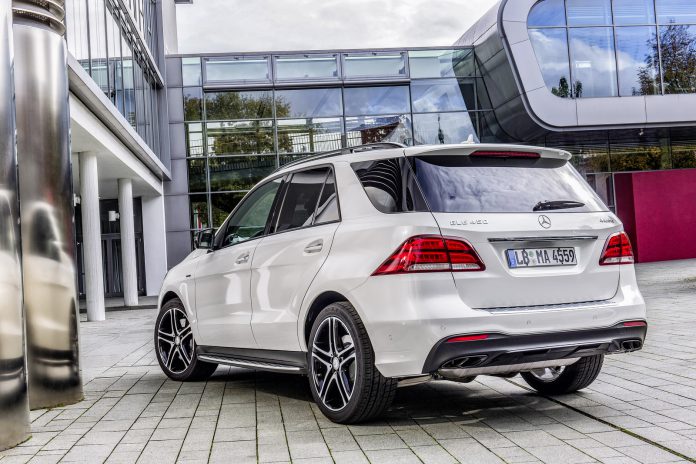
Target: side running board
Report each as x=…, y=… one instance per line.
x=250, y=364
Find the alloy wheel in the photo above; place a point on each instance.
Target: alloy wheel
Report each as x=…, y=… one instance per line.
x=333, y=363
x=175, y=340
x=548, y=374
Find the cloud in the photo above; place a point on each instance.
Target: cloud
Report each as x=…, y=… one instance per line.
x=209, y=26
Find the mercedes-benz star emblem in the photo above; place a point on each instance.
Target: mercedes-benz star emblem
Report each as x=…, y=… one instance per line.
x=544, y=221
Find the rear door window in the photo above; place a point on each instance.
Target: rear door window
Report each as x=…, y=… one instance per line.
x=301, y=198
x=464, y=184
x=390, y=185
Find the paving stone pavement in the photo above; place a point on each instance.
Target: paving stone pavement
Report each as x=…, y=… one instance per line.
x=642, y=408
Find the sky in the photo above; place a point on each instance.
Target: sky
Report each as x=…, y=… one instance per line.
x=210, y=26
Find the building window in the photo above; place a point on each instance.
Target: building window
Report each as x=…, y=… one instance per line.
x=441, y=63
x=377, y=100
x=306, y=67
x=237, y=69
x=374, y=64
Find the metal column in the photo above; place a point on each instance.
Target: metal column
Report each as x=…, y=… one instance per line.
x=46, y=208
x=14, y=404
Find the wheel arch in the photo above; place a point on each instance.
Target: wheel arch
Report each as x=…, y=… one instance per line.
x=168, y=296
x=320, y=302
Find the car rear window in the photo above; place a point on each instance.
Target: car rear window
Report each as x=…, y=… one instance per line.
x=463, y=184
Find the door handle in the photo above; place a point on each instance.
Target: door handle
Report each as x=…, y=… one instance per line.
x=243, y=258
x=315, y=246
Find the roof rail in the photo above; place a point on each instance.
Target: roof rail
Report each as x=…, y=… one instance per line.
x=344, y=151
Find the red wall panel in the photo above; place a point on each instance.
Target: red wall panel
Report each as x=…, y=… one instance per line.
x=658, y=210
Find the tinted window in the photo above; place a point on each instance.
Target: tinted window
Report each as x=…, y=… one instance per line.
x=593, y=62
x=462, y=184
x=307, y=103
x=633, y=12
x=547, y=13
x=390, y=185
x=327, y=208
x=306, y=67
x=301, y=198
x=249, y=221
x=551, y=49
x=377, y=100
x=442, y=95
x=589, y=12
x=638, y=60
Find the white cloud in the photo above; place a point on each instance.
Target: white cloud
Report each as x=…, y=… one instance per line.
x=209, y=26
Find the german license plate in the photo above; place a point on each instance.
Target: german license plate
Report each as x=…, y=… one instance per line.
x=540, y=257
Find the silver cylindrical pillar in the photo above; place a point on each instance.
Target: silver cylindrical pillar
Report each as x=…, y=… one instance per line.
x=46, y=207
x=14, y=404
x=130, y=269
x=91, y=236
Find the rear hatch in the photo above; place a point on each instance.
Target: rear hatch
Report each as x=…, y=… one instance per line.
x=537, y=226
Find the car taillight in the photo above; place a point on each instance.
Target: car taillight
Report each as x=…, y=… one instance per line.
x=617, y=250
x=427, y=253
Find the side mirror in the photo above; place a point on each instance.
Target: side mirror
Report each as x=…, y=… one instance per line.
x=204, y=239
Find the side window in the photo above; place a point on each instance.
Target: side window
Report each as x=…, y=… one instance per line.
x=327, y=209
x=301, y=198
x=390, y=185
x=249, y=221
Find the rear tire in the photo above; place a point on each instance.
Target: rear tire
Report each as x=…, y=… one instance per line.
x=175, y=346
x=343, y=378
x=572, y=378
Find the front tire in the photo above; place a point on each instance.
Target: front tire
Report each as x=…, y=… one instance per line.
x=343, y=378
x=175, y=346
x=568, y=379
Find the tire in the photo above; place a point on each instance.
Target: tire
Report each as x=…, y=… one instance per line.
x=572, y=378
x=175, y=346
x=370, y=393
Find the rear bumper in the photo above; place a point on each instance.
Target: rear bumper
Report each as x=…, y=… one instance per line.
x=504, y=350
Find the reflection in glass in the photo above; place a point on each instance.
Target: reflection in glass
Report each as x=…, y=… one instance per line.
x=199, y=212
x=113, y=37
x=306, y=67
x=678, y=46
x=374, y=64
x=547, y=13
x=191, y=71
x=676, y=11
x=239, y=173
x=376, y=100
x=442, y=128
x=551, y=49
x=97, y=43
x=196, y=175
x=603, y=185
x=589, y=12
x=240, y=105
x=128, y=83
x=590, y=158
x=194, y=139
x=683, y=155
x=373, y=129
x=222, y=205
x=307, y=103
x=77, y=31
x=630, y=12
x=638, y=60
x=443, y=95
x=593, y=62
x=237, y=69
x=309, y=135
x=441, y=63
x=193, y=104
x=240, y=137
x=641, y=156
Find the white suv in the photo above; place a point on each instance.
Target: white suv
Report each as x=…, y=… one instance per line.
x=382, y=266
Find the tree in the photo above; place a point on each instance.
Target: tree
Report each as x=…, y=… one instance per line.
x=678, y=48
x=563, y=89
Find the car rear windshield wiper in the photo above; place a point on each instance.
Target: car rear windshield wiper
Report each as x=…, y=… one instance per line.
x=557, y=204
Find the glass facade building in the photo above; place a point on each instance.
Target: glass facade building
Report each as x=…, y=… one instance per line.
x=115, y=43
x=244, y=116
x=611, y=48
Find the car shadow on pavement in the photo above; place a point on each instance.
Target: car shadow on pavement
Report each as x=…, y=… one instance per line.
x=429, y=403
